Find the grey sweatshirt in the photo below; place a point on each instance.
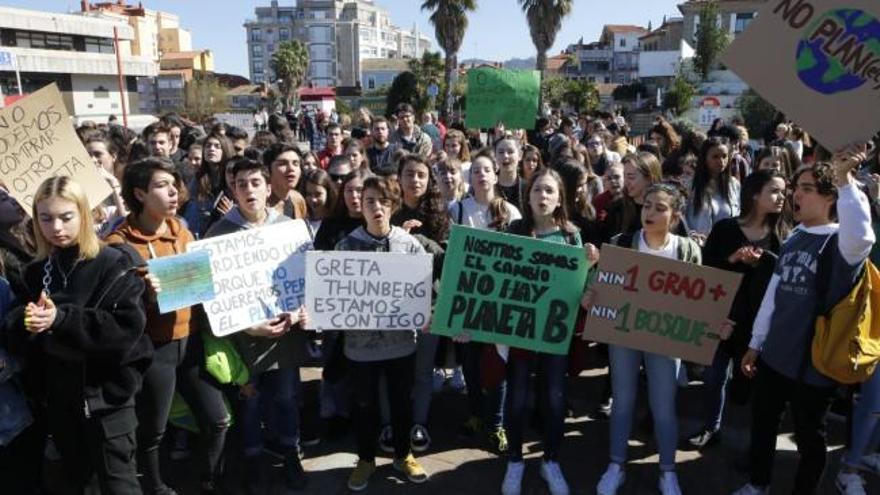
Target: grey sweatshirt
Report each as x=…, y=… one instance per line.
x=784, y=327
x=379, y=345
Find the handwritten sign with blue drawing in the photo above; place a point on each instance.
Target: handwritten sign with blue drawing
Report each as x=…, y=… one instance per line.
x=185, y=279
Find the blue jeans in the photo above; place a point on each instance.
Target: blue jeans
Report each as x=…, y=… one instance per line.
x=715, y=379
x=662, y=386
x=275, y=405
x=865, y=434
x=488, y=405
x=551, y=369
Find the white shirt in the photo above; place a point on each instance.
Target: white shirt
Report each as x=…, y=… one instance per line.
x=669, y=250
x=476, y=215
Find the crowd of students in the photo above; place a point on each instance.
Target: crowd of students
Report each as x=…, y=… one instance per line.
x=85, y=345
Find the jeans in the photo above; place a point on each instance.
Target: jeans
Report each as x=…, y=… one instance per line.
x=365, y=377
x=487, y=405
x=423, y=384
x=662, y=374
x=865, y=434
x=179, y=365
x=715, y=380
x=102, y=445
x=275, y=405
x=809, y=404
x=551, y=369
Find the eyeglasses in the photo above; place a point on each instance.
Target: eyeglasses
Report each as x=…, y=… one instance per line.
x=340, y=178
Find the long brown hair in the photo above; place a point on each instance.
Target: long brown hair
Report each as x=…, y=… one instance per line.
x=648, y=167
x=560, y=214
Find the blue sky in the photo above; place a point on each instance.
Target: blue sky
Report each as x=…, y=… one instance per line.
x=498, y=29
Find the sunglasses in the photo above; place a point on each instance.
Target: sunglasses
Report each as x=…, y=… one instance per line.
x=341, y=177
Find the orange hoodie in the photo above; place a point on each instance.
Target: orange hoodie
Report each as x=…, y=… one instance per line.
x=170, y=326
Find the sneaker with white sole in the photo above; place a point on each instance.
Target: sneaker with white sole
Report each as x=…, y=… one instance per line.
x=512, y=484
x=612, y=480
x=871, y=463
x=750, y=489
x=850, y=484
x=437, y=380
x=552, y=474
x=419, y=440
x=668, y=484
x=386, y=439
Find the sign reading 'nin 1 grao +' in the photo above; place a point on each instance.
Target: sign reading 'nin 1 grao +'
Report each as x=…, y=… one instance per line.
x=659, y=305
x=509, y=289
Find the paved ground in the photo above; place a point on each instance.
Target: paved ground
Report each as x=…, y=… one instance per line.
x=463, y=467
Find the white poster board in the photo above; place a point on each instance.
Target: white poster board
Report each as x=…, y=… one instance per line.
x=355, y=290
x=258, y=274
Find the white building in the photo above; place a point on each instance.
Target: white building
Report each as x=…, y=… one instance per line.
x=76, y=52
x=339, y=34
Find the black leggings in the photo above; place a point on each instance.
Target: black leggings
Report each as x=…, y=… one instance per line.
x=179, y=365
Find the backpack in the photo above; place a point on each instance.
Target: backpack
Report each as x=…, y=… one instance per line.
x=846, y=342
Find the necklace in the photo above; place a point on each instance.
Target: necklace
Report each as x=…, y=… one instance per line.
x=47, y=273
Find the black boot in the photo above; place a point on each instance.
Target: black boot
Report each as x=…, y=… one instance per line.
x=294, y=475
x=252, y=477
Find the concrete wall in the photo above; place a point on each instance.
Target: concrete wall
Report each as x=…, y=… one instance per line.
x=89, y=99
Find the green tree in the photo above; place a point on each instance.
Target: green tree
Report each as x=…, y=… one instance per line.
x=757, y=112
x=553, y=90
x=427, y=70
x=581, y=95
x=629, y=92
x=450, y=22
x=290, y=63
x=711, y=39
x=545, y=21
x=678, y=98
x=205, y=96
x=404, y=89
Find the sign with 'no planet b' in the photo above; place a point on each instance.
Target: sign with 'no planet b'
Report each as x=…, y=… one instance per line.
x=819, y=62
x=509, y=289
x=354, y=290
x=659, y=305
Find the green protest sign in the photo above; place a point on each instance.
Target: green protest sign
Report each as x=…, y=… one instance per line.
x=509, y=289
x=498, y=95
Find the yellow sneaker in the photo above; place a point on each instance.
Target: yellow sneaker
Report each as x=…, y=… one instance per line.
x=411, y=468
x=360, y=477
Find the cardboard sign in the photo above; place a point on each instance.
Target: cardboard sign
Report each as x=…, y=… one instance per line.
x=258, y=274
x=353, y=290
x=819, y=62
x=37, y=141
x=510, y=289
x=659, y=305
x=498, y=95
x=186, y=280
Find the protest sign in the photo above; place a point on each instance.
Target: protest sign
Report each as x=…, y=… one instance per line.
x=258, y=274
x=510, y=289
x=818, y=61
x=353, y=290
x=185, y=280
x=659, y=305
x=37, y=141
x=498, y=95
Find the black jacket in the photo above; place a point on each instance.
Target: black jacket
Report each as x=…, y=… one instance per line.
x=94, y=356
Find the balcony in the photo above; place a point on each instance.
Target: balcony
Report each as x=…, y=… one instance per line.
x=65, y=62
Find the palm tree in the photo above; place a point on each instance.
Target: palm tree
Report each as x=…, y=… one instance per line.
x=545, y=20
x=450, y=23
x=290, y=63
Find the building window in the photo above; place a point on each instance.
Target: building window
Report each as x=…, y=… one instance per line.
x=284, y=34
x=256, y=34
x=270, y=48
x=258, y=66
x=742, y=21
x=622, y=42
x=99, y=45
x=257, y=51
x=45, y=41
x=371, y=83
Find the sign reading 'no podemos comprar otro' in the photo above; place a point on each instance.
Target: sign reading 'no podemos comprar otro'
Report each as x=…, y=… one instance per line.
x=258, y=274
x=354, y=290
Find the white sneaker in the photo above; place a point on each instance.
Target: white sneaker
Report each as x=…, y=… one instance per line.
x=612, y=480
x=512, y=484
x=850, y=484
x=668, y=484
x=750, y=489
x=552, y=474
x=871, y=463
